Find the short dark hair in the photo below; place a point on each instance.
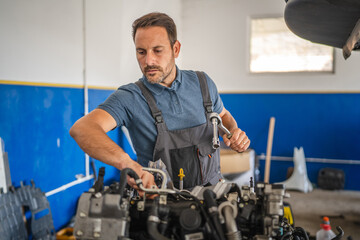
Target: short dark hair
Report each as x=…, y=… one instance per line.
x=156, y=19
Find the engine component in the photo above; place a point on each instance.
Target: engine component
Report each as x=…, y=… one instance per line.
x=219, y=212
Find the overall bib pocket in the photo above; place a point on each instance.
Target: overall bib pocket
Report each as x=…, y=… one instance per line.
x=187, y=159
x=210, y=166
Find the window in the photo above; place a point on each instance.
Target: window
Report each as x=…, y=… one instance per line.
x=274, y=48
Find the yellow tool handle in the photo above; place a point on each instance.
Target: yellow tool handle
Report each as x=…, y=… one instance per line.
x=181, y=174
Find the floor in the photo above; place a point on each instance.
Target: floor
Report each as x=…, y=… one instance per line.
x=342, y=208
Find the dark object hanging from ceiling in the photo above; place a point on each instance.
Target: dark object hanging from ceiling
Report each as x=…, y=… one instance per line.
x=331, y=22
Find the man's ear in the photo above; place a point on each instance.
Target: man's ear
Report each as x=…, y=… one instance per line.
x=176, y=48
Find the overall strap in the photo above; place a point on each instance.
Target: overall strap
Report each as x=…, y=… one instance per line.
x=205, y=91
x=156, y=113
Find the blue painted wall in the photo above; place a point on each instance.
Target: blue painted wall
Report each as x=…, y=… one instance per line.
x=325, y=125
x=35, y=121
x=34, y=124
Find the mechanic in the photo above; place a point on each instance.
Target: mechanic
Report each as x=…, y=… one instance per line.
x=166, y=113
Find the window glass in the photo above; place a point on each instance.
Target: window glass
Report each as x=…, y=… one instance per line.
x=274, y=48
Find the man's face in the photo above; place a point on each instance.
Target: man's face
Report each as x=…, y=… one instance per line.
x=155, y=56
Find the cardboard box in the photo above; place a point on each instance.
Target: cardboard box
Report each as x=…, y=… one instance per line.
x=233, y=162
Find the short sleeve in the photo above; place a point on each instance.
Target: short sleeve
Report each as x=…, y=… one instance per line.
x=118, y=105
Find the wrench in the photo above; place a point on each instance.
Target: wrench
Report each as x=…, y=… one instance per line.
x=217, y=123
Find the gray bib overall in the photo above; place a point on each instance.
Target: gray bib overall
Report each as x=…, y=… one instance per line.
x=190, y=149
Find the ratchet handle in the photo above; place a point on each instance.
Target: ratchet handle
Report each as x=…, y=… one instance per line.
x=229, y=135
x=225, y=130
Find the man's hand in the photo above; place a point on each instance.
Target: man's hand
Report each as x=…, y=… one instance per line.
x=238, y=142
x=147, y=178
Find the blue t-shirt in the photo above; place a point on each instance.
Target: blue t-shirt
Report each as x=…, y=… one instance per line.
x=181, y=106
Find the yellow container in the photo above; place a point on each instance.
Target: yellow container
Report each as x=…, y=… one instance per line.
x=65, y=234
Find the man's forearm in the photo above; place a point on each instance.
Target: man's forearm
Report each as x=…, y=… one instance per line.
x=228, y=120
x=93, y=140
x=90, y=134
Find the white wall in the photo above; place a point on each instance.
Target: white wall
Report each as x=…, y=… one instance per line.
x=110, y=53
x=42, y=41
x=216, y=40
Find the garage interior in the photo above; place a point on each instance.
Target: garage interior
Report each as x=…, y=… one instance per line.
x=60, y=59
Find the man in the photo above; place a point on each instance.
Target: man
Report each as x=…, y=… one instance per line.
x=166, y=113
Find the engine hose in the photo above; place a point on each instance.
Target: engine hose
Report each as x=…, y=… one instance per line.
x=232, y=231
x=123, y=179
x=209, y=198
x=302, y=233
x=163, y=211
x=153, y=222
x=234, y=236
x=288, y=234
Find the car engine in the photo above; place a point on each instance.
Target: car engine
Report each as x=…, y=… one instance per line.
x=222, y=211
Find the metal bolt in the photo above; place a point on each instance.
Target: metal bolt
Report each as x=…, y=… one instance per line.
x=140, y=206
x=192, y=206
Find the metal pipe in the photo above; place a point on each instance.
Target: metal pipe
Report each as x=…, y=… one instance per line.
x=86, y=96
x=68, y=185
x=232, y=231
x=162, y=189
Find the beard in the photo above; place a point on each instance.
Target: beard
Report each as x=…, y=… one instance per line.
x=160, y=75
x=154, y=77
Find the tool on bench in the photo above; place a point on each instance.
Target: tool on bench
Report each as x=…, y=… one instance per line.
x=217, y=123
